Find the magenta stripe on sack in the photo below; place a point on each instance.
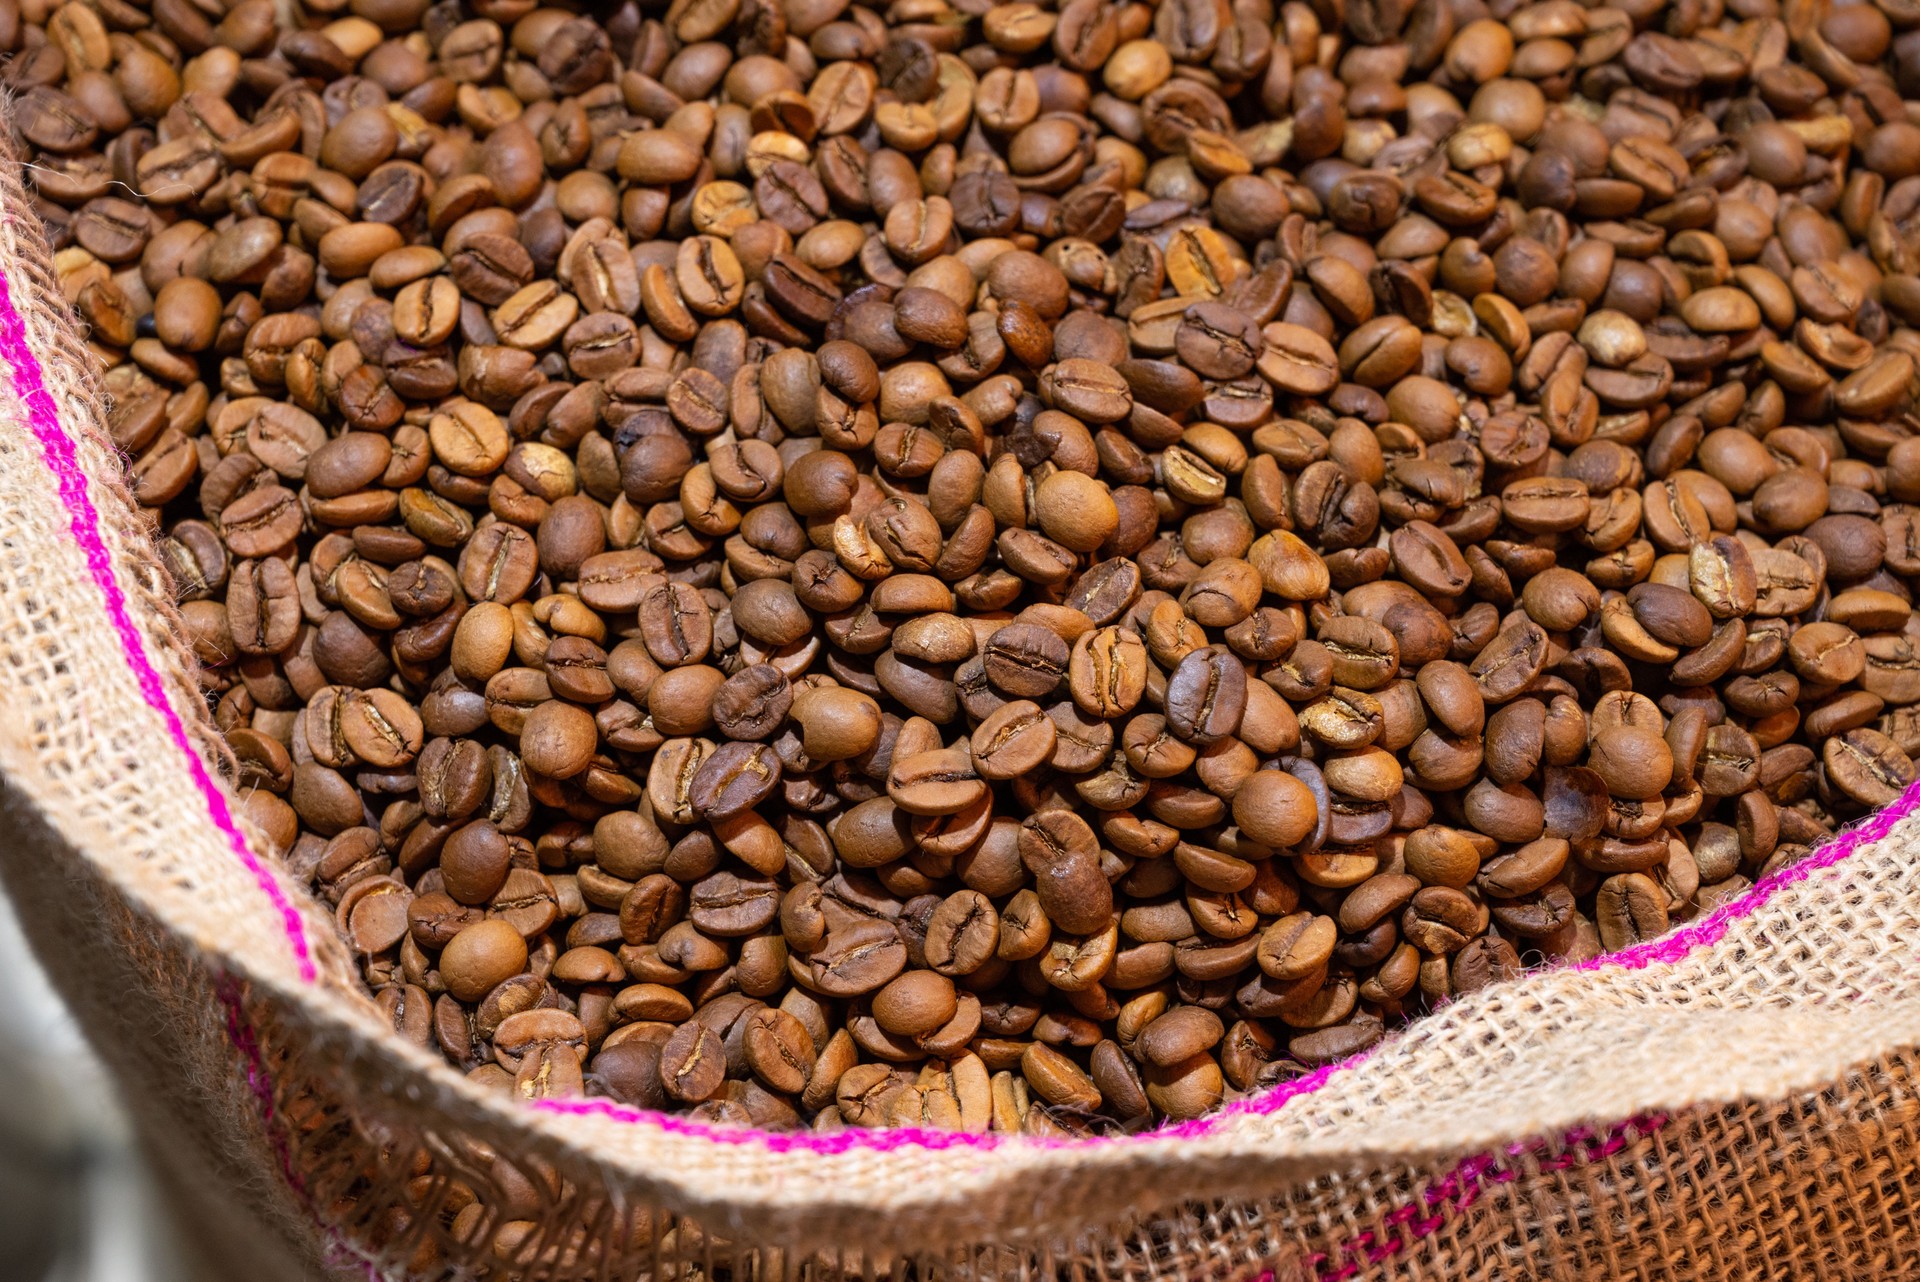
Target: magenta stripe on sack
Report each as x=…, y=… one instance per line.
x=44, y=419
x=340, y=1252
x=1461, y=1187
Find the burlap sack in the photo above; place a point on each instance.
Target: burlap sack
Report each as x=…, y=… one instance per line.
x=1735, y=1101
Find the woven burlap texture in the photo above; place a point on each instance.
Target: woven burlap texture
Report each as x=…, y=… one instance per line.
x=1753, y=1099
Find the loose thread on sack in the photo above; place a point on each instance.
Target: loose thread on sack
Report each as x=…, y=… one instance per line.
x=58, y=451
x=27, y=166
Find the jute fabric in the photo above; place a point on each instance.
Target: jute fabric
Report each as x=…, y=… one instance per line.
x=1736, y=1101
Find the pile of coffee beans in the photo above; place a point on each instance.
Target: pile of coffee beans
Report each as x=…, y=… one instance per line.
x=1006, y=566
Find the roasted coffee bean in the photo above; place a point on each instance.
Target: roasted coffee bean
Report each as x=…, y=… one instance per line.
x=1107, y=673
x=753, y=703
x=962, y=933
x=263, y=606
x=693, y=1062
x=374, y=914
x=1867, y=766
x=940, y=782
x=1206, y=695
x=1014, y=740
x=1025, y=660
x=474, y=862
x=482, y=956
x=1630, y=909
x=1063, y=855
x=736, y=777
x=778, y=1049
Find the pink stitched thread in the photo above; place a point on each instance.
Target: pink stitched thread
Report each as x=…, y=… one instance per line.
x=260, y=1082
x=44, y=418
x=240, y=1033
x=1461, y=1187
x=1715, y=924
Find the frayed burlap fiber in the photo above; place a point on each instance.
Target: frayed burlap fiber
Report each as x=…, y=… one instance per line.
x=1738, y=1103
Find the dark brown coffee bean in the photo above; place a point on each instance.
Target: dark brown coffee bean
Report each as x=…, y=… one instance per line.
x=1025, y=660
x=1206, y=695
x=1631, y=908
x=778, y=1049
x=728, y=906
x=1062, y=853
x=526, y=901
x=558, y=739
x=480, y=957
x=939, y=782
x=380, y=727
x=1107, y=672
x=859, y=954
x=735, y=778
x=693, y=1062
x=962, y=933
x=753, y=703
x=263, y=607
x=1014, y=740
x=1867, y=766
x=374, y=914
x=474, y=862
x=1179, y=1035
x=261, y=522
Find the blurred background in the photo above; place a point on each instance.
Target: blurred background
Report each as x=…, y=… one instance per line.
x=76, y=1205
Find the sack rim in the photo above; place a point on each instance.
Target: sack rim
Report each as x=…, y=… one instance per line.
x=1403, y=1192
x=84, y=526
